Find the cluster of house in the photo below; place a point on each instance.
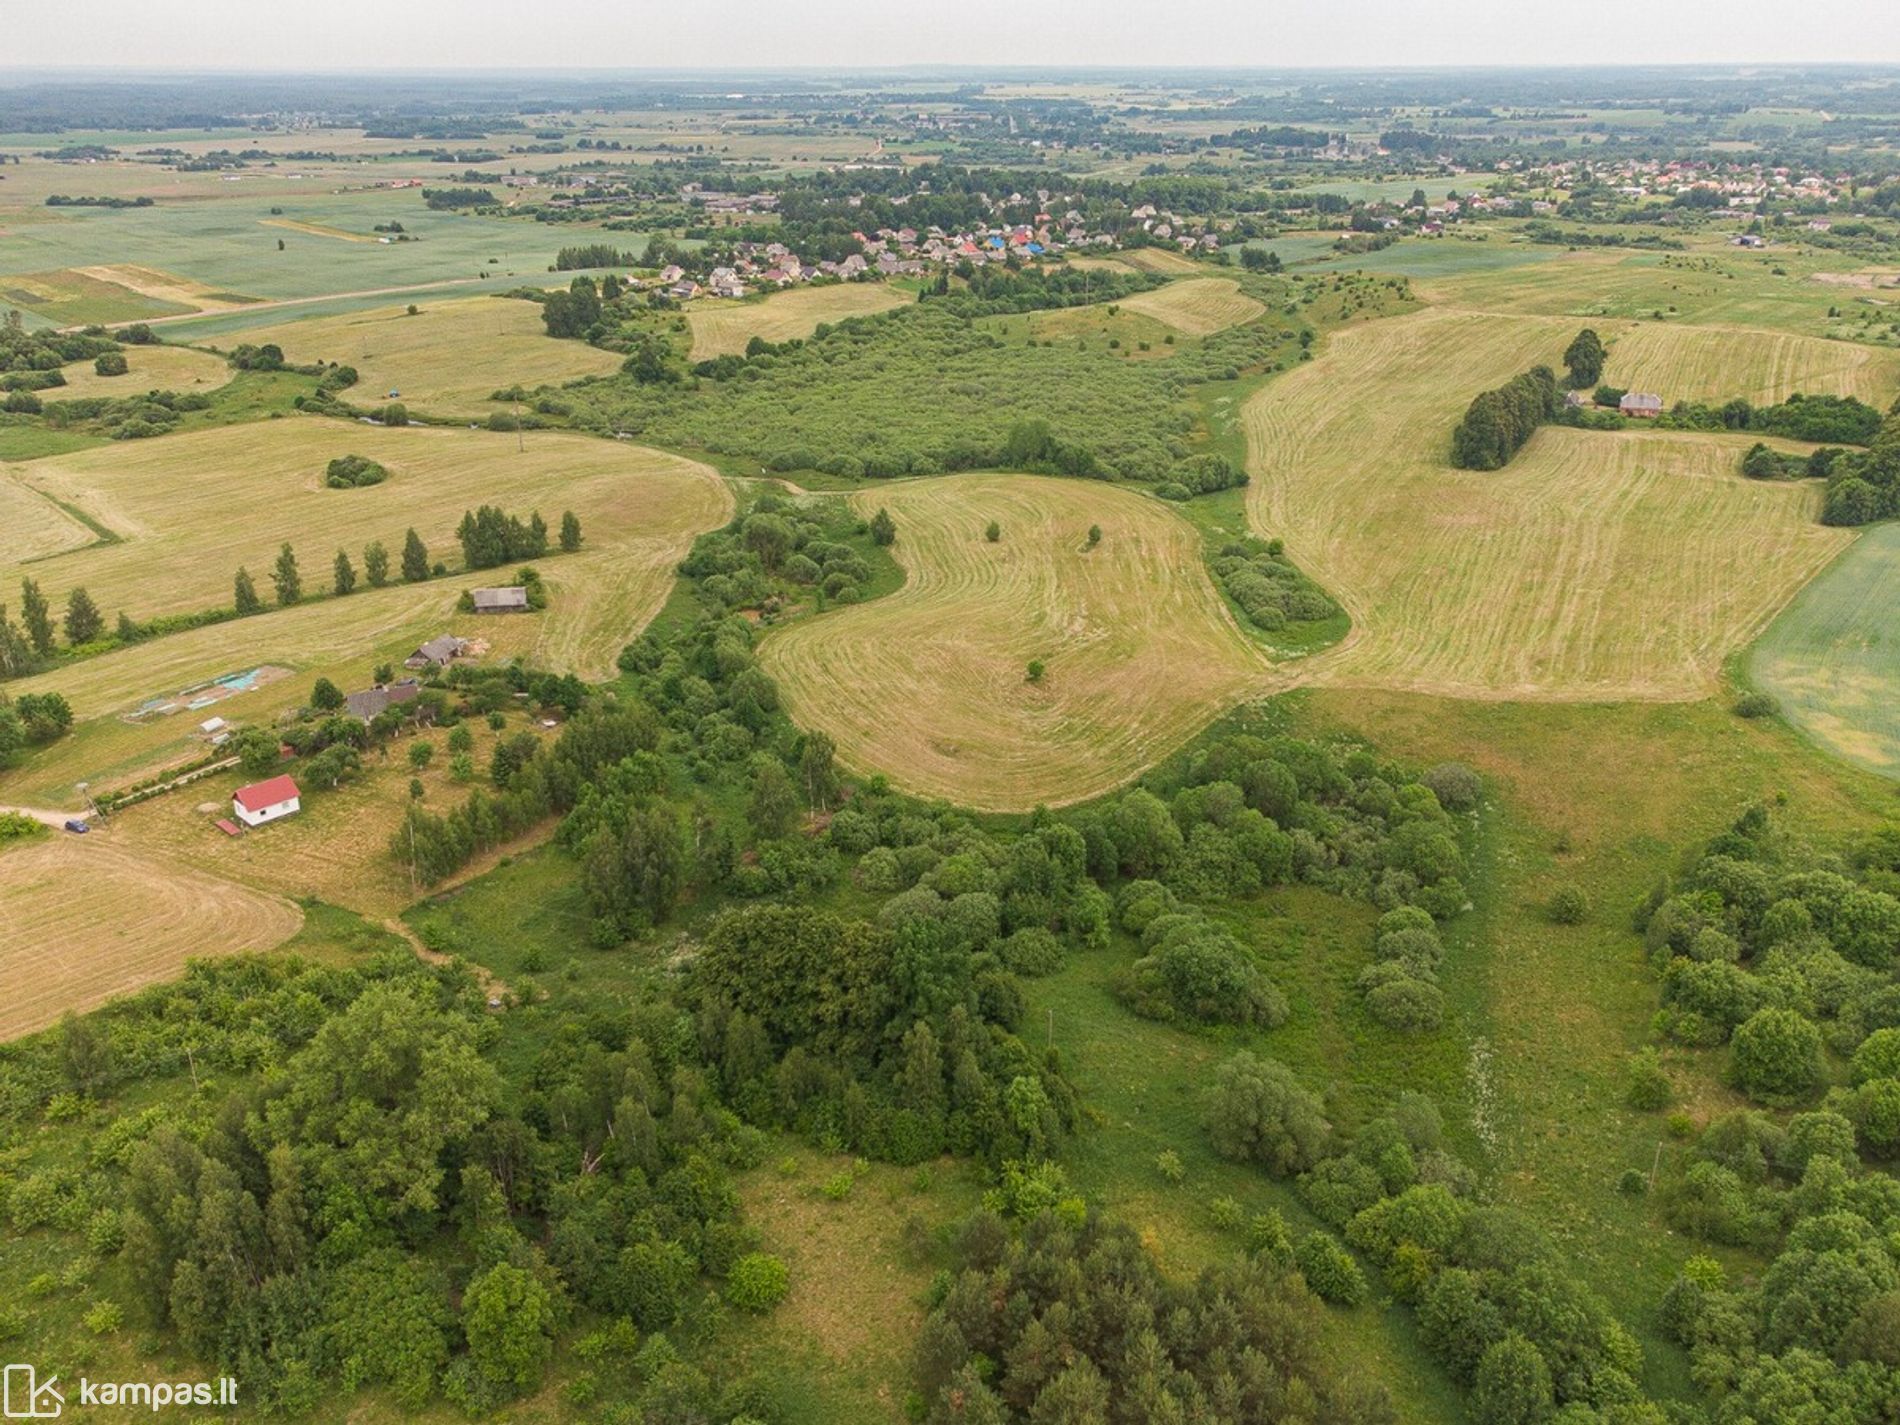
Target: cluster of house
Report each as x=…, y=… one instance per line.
x=1733, y=184
x=901, y=252
x=277, y=797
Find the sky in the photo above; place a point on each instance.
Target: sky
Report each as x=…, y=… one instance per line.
x=832, y=34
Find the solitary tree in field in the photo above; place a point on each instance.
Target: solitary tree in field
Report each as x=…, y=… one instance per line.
x=284, y=575
x=37, y=617
x=1585, y=359
x=343, y=579
x=415, y=559
x=883, y=528
x=244, y=593
x=570, y=531
x=376, y=564
x=84, y=622
x=994, y=532
x=1035, y=670
x=1095, y=535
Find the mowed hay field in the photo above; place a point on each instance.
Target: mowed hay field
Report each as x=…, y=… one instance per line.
x=640, y=510
x=1200, y=306
x=83, y=920
x=1832, y=658
x=722, y=328
x=1157, y=259
x=1710, y=284
x=32, y=526
x=148, y=368
x=928, y=684
x=449, y=358
x=1715, y=363
x=189, y=509
x=1596, y=565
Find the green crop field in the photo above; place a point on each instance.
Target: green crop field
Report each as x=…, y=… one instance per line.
x=205, y=254
x=1832, y=657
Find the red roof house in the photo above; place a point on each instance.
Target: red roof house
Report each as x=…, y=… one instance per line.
x=268, y=800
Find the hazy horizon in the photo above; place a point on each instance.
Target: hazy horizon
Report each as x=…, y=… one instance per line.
x=432, y=36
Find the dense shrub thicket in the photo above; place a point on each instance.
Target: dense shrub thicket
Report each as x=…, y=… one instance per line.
x=1782, y=955
x=1791, y=958
x=1071, y=1320
x=847, y=402
x=1843, y=420
x=353, y=472
x=1862, y=488
x=1495, y=1301
x=1270, y=589
x=992, y=291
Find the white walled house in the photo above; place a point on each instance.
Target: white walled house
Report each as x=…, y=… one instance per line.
x=269, y=800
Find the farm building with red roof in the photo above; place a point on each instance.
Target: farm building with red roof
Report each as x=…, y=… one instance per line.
x=270, y=800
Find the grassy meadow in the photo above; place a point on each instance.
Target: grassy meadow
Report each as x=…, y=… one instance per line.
x=1198, y=306
x=190, y=509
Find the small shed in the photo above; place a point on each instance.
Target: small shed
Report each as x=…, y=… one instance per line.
x=511, y=600
x=1642, y=404
x=269, y=800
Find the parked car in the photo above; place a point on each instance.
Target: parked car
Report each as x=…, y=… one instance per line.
x=77, y=827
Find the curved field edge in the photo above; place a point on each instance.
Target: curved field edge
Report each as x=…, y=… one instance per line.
x=1596, y=566
x=83, y=920
x=1831, y=658
x=930, y=684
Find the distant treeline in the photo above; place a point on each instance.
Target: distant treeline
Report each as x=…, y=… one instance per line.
x=593, y=254
x=994, y=291
x=457, y=197
x=1498, y=422
x=62, y=200
x=1844, y=420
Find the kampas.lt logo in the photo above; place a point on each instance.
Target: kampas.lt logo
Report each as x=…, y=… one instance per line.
x=27, y=1397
